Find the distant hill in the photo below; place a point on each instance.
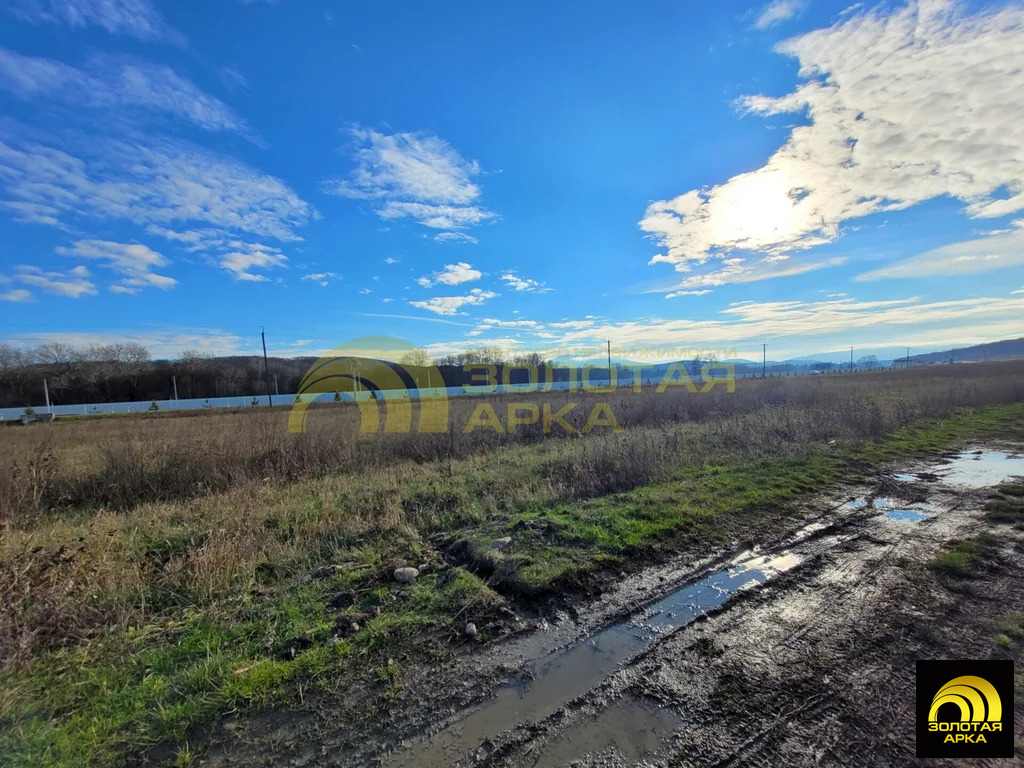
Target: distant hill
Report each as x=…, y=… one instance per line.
x=1008, y=349
x=843, y=355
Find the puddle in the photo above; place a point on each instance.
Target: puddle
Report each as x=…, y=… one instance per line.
x=894, y=510
x=563, y=675
x=979, y=469
x=566, y=674
x=909, y=515
x=630, y=728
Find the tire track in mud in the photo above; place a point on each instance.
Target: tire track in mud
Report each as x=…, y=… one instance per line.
x=603, y=700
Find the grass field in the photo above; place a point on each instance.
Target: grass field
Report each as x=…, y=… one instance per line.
x=155, y=572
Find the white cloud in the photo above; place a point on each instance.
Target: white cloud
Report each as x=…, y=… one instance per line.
x=1019, y=290
x=452, y=274
x=677, y=294
x=903, y=106
x=137, y=18
x=16, y=295
x=739, y=270
x=450, y=305
x=778, y=11
x=573, y=324
x=155, y=182
x=116, y=87
x=517, y=283
x=416, y=176
x=73, y=284
x=192, y=239
x=133, y=261
x=491, y=322
x=982, y=254
x=390, y=260
x=246, y=257
x=455, y=237
x=322, y=278
x=832, y=323
x=366, y=291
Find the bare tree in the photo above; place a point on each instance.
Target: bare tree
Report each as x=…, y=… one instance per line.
x=130, y=361
x=416, y=357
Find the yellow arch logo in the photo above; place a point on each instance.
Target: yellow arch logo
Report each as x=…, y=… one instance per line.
x=977, y=699
x=373, y=369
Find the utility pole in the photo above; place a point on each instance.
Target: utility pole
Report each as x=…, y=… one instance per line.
x=908, y=357
x=851, y=359
x=266, y=366
x=277, y=390
x=46, y=394
x=764, y=359
x=174, y=383
x=609, y=362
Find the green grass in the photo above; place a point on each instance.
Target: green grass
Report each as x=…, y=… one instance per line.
x=965, y=558
x=1010, y=628
x=1007, y=504
x=566, y=544
x=93, y=703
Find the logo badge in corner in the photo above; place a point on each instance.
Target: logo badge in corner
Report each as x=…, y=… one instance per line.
x=965, y=708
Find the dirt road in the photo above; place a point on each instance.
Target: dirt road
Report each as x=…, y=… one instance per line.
x=798, y=651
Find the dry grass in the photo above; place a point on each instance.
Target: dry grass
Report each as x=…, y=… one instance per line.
x=110, y=522
x=120, y=462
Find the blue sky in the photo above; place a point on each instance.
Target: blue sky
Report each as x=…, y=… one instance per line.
x=537, y=176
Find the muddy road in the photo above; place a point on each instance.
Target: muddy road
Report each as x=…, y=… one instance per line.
x=798, y=651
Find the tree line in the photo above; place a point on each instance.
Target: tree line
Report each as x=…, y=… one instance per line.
x=127, y=372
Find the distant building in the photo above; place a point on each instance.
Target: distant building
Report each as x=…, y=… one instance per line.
x=907, y=362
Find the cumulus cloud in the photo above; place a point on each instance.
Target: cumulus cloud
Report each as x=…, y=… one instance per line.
x=778, y=11
x=450, y=305
x=16, y=295
x=452, y=274
x=413, y=175
x=322, y=278
x=455, y=237
x=133, y=261
x=902, y=106
x=105, y=83
x=246, y=257
x=523, y=284
x=136, y=18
